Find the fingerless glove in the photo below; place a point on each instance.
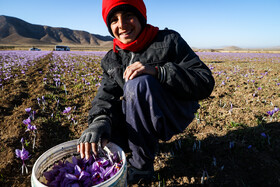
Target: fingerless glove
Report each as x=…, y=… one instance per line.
x=99, y=128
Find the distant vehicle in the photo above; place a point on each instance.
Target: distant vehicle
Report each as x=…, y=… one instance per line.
x=34, y=49
x=61, y=48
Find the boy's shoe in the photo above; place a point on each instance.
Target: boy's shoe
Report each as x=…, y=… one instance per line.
x=137, y=176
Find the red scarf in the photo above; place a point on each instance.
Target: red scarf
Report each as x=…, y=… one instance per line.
x=143, y=40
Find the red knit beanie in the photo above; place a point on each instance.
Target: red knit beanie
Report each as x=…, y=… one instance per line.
x=109, y=7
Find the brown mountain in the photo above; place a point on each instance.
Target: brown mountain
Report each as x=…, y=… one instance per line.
x=17, y=31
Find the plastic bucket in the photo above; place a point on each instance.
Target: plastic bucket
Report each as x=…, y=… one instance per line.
x=67, y=150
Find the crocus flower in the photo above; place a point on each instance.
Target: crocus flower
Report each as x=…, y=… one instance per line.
x=67, y=110
x=31, y=127
x=263, y=135
x=79, y=175
x=28, y=110
x=27, y=121
x=83, y=172
x=23, y=155
x=270, y=113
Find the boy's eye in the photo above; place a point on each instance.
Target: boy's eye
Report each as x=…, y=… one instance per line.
x=125, y=16
x=114, y=19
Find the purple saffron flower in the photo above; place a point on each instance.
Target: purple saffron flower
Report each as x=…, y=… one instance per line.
x=270, y=113
x=27, y=121
x=111, y=171
x=83, y=172
x=67, y=110
x=28, y=110
x=79, y=175
x=31, y=127
x=22, y=154
x=56, y=79
x=263, y=135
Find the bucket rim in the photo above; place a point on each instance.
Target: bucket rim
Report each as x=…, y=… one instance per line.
x=71, y=143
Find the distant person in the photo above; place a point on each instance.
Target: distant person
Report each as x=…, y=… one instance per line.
x=152, y=81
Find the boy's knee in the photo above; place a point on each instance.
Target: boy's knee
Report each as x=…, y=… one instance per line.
x=138, y=85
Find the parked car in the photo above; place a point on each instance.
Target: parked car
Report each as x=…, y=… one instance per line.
x=61, y=48
x=34, y=49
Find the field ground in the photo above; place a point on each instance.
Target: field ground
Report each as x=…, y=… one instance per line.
x=231, y=142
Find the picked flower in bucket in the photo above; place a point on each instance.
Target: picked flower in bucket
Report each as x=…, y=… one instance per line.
x=83, y=172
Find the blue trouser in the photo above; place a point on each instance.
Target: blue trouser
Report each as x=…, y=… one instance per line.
x=151, y=114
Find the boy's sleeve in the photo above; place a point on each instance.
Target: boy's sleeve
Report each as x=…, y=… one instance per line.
x=106, y=98
x=187, y=77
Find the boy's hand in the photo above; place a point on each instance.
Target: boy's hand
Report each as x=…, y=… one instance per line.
x=85, y=148
x=89, y=140
x=136, y=69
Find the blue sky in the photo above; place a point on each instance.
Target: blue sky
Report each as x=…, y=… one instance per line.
x=202, y=23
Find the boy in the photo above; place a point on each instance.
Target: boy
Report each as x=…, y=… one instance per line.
x=151, y=83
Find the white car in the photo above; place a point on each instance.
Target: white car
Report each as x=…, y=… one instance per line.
x=61, y=48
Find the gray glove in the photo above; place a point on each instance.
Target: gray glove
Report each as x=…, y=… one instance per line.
x=99, y=128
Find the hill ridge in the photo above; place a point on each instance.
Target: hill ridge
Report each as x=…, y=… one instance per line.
x=17, y=31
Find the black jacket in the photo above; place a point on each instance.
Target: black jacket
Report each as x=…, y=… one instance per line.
x=183, y=74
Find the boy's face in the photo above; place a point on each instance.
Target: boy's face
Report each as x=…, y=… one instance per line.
x=125, y=26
